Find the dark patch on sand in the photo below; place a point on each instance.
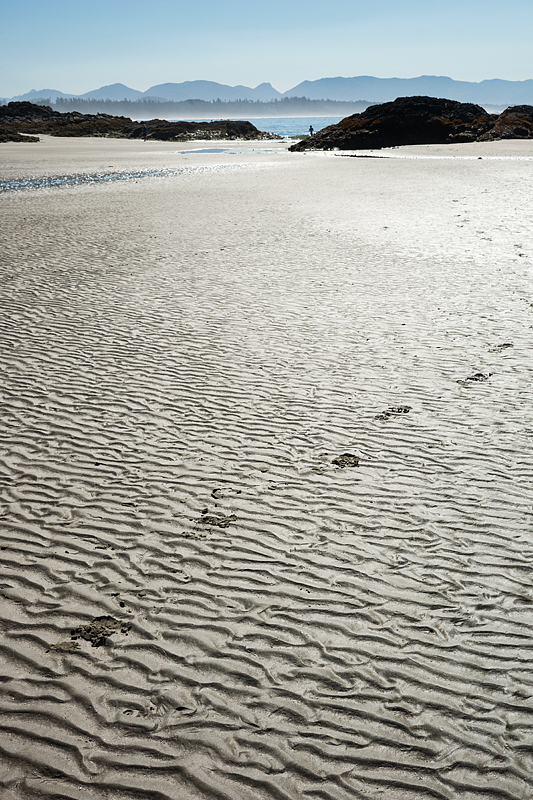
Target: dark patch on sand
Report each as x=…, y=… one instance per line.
x=99, y=629
x=346, y=460
x=393, y=411
x=499, y=347
x=66, y=647
x=219, y=520
x=478, y=377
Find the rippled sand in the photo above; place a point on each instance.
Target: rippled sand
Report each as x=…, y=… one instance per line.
x=196, y=600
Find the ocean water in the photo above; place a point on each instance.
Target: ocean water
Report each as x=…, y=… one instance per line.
x=293, y=126
x=288, y=126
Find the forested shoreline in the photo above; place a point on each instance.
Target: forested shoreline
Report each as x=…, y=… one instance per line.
x=185, y=109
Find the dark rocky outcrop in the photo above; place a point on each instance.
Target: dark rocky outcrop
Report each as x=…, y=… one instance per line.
x=515, y=122
x=25, y=112
x=420, y=120
x=219, y=129
x=11, y=136
x=28, y=118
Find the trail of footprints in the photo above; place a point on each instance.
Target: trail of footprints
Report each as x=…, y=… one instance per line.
x=101, y=628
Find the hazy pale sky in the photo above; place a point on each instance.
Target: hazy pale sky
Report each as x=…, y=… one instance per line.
x=76, y=46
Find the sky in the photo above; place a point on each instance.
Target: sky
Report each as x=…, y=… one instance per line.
x=76, y=46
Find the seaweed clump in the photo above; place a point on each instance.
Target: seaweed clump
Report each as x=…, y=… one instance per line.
x=99, y=629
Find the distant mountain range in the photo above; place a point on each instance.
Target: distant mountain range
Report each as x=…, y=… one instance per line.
x=381, y=90
x=188, y=90
x=497, y=93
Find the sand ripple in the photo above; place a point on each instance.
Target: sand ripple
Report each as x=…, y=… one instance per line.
x=184, y=362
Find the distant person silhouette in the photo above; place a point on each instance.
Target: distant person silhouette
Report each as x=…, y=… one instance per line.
x=145, y=132
x=311, y=131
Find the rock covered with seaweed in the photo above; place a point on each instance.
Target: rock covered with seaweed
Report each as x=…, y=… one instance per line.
x=421, y=120
x=20, y=121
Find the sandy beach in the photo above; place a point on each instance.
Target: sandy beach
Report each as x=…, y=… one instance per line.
x=200, y=597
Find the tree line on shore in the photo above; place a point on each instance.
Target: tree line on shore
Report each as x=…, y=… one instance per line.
x=143, y=109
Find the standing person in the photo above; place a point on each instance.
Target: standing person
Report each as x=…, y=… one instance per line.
x=311, y=131
x=145, y=132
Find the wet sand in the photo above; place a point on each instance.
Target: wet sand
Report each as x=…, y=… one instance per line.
x=265, y=464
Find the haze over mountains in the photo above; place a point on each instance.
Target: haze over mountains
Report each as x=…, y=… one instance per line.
x=375, y=90
x=188, y=90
